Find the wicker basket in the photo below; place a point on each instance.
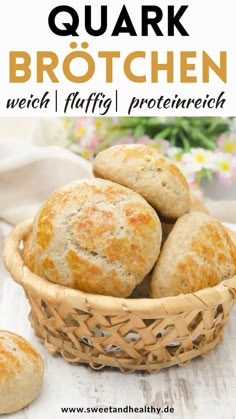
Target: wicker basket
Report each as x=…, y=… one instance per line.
x=129, y=334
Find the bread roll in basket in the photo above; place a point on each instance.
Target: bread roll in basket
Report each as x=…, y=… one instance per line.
x=128, y=334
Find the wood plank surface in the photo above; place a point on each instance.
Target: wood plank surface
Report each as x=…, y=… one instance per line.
x=206, y=388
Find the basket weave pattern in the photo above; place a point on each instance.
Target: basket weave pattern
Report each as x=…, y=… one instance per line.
x=129, y=334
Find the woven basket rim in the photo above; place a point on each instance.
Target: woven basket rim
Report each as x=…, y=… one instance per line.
x=55, y=293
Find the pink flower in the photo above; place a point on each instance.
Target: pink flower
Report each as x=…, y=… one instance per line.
x=145, y=139
x=92, y=142
x=224, y=180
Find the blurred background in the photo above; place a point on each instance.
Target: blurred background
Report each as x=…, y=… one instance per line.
x=204, y=148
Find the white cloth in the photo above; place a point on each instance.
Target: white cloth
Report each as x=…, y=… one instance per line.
x=28, y=174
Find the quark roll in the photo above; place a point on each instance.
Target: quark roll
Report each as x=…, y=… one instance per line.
x=144, y=170
x=198, y=253
x=96, y=236
x=21, y=372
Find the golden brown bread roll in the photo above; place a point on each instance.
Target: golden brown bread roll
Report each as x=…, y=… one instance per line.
x=21, y=372
x=146, y=171
x=96, y=236
x=198, y=253
x=232, y=235
x=28, y=253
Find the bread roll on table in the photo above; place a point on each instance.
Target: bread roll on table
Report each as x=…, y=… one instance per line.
x=21, y=372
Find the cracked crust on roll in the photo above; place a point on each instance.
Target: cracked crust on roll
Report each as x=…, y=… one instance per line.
x=144, y=170
x=198, y=253
x=21, y=372
x=96, y=236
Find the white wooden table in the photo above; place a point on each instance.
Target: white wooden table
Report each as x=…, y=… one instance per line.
x=206, y=388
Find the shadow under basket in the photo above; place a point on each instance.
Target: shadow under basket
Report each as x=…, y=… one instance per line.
x=128, y=334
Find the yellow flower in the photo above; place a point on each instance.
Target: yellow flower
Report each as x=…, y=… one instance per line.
x=98, y=123
x=178, y=157
x=66, y=123
x=229, y=147
x=85, y=154
x=199, y=158
x=225, y=166
x=80, y=131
